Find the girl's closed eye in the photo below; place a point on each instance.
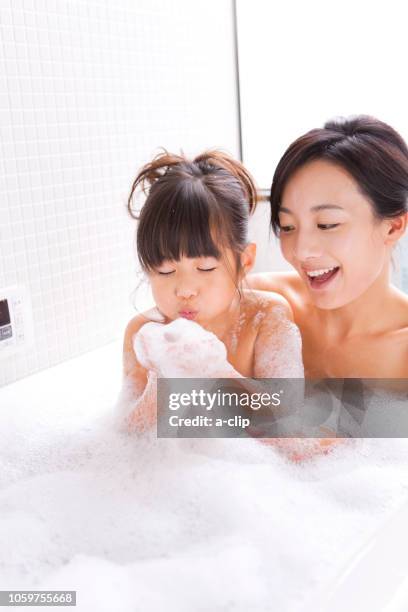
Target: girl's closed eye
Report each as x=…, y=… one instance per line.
x=327, y=226
x=166, y=268
x=168, y=272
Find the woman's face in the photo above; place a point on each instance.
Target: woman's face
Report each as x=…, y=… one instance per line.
x=330, y=235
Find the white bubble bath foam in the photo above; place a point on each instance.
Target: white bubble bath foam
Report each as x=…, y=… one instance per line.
x=138, y=523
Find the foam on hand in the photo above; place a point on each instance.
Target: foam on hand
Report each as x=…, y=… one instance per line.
x=181, y=349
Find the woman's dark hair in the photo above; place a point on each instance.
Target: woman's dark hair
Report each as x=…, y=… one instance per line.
x=371, y=151
x=192, y=207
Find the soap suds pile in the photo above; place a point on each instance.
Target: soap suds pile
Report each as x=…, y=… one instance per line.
x=181, y=349
x=177, y=525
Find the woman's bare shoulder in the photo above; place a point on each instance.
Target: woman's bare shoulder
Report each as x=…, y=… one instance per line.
x=400, y=333
x=279, y=282
x=287, y=284
x=402, y=300
x=398, y=318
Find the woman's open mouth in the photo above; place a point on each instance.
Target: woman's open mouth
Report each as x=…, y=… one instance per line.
x=319, y=279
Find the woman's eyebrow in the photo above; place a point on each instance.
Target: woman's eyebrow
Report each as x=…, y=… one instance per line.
x=326, y=206
x=314, y=208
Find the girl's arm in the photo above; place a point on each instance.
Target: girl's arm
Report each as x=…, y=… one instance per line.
x=183, y=349
x=149, y=350
x=278, y=354
x=278, y=346
x=137, y=401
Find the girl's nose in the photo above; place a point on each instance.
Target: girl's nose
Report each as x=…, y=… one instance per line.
x=186, y=291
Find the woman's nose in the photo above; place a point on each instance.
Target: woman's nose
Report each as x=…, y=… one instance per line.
x=307, y=246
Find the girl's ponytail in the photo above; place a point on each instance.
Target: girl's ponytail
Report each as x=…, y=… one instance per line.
x=205, y=163
x=219, y=159
x=151, y=172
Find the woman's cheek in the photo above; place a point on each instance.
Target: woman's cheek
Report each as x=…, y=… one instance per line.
x=287, y=251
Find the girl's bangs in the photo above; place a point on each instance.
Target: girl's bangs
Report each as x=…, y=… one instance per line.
x=181, y=229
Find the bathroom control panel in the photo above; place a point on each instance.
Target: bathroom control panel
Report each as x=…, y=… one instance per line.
x=16, y=324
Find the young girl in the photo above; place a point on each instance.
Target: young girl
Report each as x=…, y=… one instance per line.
x=192, y=243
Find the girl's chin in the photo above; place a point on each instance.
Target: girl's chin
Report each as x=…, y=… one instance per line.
x=190, y=316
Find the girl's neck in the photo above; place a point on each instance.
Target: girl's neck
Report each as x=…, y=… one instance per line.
x=224, y=325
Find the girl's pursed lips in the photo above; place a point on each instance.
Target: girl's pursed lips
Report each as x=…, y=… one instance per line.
x=188, y=314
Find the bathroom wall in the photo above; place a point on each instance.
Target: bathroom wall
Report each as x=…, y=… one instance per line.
x=88, y=92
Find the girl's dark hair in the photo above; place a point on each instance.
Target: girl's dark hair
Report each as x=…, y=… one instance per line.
x=192, y=207
x=371, y=151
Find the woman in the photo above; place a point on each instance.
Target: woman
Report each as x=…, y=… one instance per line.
x=339, y=205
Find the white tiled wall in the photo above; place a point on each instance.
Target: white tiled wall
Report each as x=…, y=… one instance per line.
x=88, y=92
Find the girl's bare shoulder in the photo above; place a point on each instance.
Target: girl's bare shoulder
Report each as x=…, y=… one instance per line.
x=261, y=304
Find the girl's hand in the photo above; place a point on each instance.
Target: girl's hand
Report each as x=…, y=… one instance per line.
x=182, y=349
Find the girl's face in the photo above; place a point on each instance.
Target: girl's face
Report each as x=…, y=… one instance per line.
x=330, y=235
x=202, y=289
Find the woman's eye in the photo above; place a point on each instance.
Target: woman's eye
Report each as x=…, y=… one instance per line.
x=286, y=228
x=206, y=269
x=165, y=273
x=326, y=226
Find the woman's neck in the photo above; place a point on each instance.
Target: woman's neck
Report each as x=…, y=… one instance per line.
x=370, y=313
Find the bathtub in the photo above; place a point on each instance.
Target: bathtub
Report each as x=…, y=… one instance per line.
x=135, y=523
